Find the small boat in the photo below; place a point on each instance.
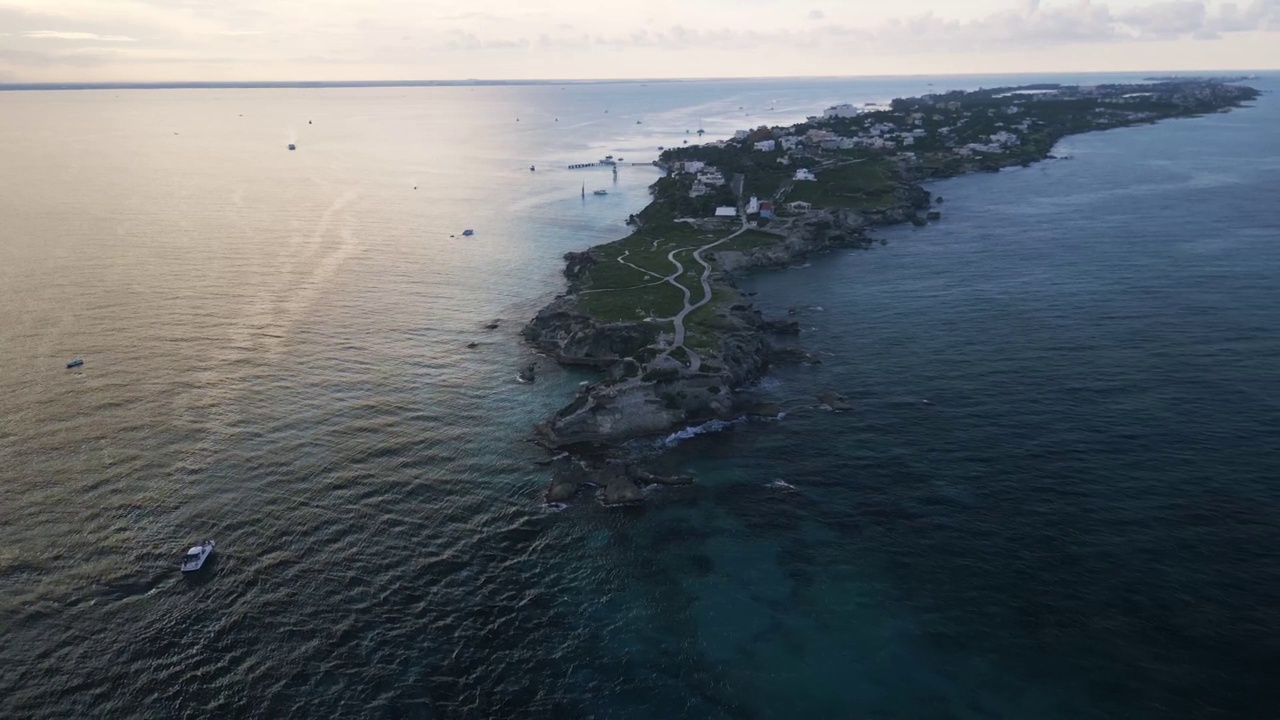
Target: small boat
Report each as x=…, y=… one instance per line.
x=532, y=168
x=468, y=232
x=76, y=363
x=195, y=557
x=599, y=192
x=292, y=146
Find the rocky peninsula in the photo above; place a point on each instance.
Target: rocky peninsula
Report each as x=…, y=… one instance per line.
x=659, y=313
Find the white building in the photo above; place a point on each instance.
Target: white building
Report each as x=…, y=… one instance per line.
x=753, y=205
x=711, y=176
x=1004, y=138
x=693, y=166
x=790, y=142
x=799, y=206
x=803, y=174
x=840, y=111
x=726, y=211
x=767, y=145
x=741, y=134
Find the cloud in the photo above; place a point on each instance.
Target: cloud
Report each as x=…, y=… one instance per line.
x=564, y=38
x=64, y=35
x=1030, y=24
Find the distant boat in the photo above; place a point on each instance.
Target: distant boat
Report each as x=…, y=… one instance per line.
x=76, y=363
x=532, y=168
x=599, y=192
x=468, y=232
x=292, y=146
x=584, y=189
x=195, y=557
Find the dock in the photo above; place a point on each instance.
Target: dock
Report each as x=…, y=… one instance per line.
x=579, y=166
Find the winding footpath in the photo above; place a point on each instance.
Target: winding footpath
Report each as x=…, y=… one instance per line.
x=695, y=362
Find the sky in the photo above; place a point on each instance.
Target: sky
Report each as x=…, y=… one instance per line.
x=301, y=40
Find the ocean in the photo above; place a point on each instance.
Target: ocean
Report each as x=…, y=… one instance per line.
x=1081, y=523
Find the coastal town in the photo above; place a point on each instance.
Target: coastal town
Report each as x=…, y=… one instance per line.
x=909, y=140
x=659, y=312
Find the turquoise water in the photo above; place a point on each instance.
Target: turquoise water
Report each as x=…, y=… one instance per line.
x=1080, y=525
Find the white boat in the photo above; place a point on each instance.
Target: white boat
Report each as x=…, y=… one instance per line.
x=195, y=557
x=468, y=232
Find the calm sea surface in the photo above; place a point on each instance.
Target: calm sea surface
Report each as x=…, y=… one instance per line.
x=1082, y=525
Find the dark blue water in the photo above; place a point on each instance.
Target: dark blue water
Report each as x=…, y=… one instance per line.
x=1081, y=524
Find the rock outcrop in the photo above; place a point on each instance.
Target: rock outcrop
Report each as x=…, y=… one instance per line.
x=620, y=483
x=575, y=338
x=649, y=390
x=811, y=233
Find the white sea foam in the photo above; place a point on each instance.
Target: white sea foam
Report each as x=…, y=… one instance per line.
x=710, y=426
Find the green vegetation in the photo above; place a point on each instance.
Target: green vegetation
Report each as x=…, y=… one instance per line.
x=633, y=304
x=885, y=152
x=749, y=240
x=616, y=291
x=701, y=324
x=865, y=185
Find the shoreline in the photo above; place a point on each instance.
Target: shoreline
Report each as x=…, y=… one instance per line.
x=660, y=313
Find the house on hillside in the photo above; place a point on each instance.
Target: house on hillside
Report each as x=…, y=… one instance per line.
x=767, y=145
x=726, y=211
x=766, y=210
x=805, y=174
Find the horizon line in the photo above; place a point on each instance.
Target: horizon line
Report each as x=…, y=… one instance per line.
x=474, y=82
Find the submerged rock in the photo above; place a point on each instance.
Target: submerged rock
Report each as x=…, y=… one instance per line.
x=782, y=327
x=835, y=402
x=621, y=490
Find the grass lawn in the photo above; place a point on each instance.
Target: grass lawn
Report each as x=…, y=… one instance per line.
x=750, y=240
x=866, y=185
x=620, y=292
x=634, y=304
x=700, y=325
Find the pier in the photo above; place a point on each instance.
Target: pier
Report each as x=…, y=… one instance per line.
x=578, y=166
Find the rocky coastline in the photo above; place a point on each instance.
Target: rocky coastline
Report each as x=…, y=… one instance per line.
x=655, y=380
